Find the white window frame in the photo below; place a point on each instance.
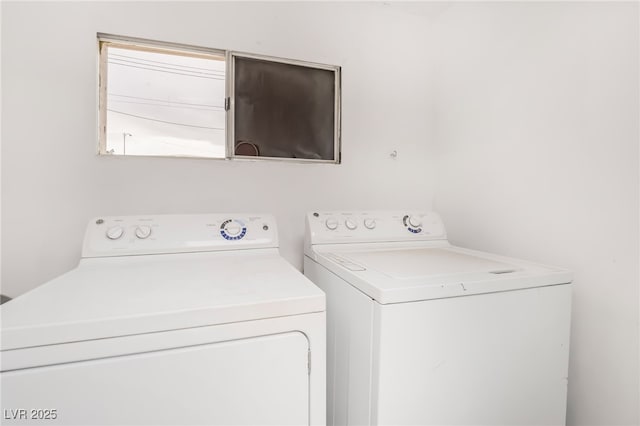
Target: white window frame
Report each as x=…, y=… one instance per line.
x=106, y=40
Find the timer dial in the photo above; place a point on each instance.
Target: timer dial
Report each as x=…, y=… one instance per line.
x=369, y=223
x=412, y=223
x=232, y=229
x=415, y=221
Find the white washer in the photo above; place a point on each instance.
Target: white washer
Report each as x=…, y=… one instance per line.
x=421, y=332
x=168, y=320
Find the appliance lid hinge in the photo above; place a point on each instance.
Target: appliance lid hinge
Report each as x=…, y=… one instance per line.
x=227, y=104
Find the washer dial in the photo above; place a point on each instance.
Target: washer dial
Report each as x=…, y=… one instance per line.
x=351, y=224
x=331, y=223
x=412, y=223
x=415, y=221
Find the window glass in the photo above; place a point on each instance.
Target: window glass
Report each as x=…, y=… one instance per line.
x=164, y=103
x=284, y=110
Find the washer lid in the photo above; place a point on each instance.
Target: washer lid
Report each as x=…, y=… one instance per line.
x=418, y=272
x=108, y=297
x=420, y=262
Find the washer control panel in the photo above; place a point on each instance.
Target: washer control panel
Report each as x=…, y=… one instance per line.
x=155, y=234
x=336, y=227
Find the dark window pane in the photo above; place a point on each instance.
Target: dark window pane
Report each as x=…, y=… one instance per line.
x=284, y=110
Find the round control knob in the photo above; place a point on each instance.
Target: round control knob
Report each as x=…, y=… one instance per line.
x=143, y=231
x=115, y=232
x=350, y=224
x=369, y=223
x=233, y=228
x=331, y=223
x=415, y=221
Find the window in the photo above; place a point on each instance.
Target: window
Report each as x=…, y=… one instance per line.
x=163, y=99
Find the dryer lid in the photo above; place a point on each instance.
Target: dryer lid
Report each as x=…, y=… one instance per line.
x=109, y=297
x=418, y=272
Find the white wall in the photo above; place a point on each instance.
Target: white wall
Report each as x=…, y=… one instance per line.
x=536, y=131
x=53, y=181
x=532, y=110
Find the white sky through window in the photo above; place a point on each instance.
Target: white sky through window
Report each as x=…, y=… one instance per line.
x=165, y=104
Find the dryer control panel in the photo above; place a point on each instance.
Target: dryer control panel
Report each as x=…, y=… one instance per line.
x=155, y=234
x=331, y=227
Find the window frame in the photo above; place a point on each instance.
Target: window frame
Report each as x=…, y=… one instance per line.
x=104, y=41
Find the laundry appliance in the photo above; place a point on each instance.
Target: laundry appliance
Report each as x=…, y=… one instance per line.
x=421, y=332
x=168, y=319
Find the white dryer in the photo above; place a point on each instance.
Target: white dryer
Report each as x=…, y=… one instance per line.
x=168, y=320
x=420, y=332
